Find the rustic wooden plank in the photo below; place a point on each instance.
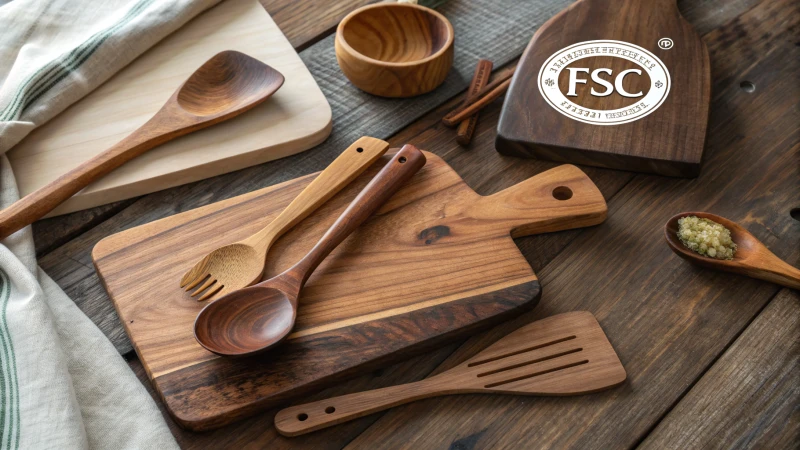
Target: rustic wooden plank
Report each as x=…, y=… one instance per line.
x=49, y=234
x=748, y=398
x=306, y=22
x=668, y=320
x=483, y=28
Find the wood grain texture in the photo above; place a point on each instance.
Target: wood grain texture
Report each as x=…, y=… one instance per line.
x=259, y=431
x=256, y=319
x=566, y=354
x=234, y=266
x=459, y=270
x=751, y=259
x=227, y=85
x=395, y=49
x=295, y=119
x=667, y=320
x=749, y=397
x=669, y=136
x=293, y=18
x=485, y=171
x=482, y=168
x=485, y=24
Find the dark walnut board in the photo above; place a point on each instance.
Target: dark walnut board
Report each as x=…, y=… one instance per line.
x=660, y=131
x=435, y=263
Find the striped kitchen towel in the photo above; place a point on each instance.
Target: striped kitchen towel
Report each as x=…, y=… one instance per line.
x=62, y=383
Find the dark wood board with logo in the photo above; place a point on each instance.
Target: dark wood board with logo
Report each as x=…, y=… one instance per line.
x=623, y=84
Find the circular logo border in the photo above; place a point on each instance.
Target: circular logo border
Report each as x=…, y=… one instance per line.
x=625, y=119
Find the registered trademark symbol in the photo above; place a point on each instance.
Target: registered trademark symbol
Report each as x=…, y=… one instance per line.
x=665, y=43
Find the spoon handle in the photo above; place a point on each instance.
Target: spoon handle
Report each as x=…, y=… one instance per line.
x=344, y=169
x=37, y=204
x=768, y=267
x=403, y=165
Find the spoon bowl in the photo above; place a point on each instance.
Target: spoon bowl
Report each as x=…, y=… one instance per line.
x=265, y=317
x=228, y=82
x=751, y=258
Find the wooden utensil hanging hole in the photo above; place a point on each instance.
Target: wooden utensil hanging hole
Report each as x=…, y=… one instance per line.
x=795, y=213
x=747, y=86
x=402, y=159
x=360, y=150
x=302, y=417
x=562, y=193
x=330, y=409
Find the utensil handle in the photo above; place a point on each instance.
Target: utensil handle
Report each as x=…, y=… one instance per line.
x=301, y=419
x=775, y=270
x=559, y=199
x=403, y=165
x=344, y=169
x=37, y=204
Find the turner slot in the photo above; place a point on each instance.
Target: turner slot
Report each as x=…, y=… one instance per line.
x=536, y=374
x=533, y=361
x=518, y=352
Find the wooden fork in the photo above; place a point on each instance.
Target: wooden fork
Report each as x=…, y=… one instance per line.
x=241, y=264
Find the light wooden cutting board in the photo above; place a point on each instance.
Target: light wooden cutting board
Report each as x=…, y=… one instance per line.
x=296, y=118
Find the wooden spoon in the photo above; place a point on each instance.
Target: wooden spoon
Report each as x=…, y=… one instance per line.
x=566, y=354
x=751, y=258
x=241, y=264
x=227, y=85
x=256, y=318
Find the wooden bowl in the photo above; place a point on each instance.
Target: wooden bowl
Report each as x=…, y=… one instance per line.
x=395, y=49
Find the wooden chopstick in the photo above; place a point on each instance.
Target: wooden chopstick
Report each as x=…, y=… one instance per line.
x=490, y=92
x=483, y=70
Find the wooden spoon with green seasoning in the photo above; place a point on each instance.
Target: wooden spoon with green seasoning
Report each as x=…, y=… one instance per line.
x=752, y=258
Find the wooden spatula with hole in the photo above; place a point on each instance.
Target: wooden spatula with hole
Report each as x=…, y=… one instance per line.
x=566, y=354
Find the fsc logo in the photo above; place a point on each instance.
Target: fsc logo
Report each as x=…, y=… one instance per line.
x=604, y=82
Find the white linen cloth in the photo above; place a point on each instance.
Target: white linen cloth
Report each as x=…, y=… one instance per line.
x=62, y=383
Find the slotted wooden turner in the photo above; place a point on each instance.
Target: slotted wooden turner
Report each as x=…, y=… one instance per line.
x=566, y=354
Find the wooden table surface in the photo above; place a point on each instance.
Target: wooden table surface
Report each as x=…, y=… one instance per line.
x=712, y=358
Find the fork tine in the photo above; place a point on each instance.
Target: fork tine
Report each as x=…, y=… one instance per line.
x=196, y=281
x=211, y=292
x=210, y=281
x=188, y=277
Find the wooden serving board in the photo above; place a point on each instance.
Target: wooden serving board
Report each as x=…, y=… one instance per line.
x=436, y=262
x=296, y=118
x=624, y=84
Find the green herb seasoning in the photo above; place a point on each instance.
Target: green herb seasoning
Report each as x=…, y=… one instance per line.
x=706, y=237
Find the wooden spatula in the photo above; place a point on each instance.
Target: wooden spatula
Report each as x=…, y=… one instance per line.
x=565, y=354
x=624, y=84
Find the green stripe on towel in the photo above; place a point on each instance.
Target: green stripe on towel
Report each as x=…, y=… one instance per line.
x=9, y=416
x=38, y=84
